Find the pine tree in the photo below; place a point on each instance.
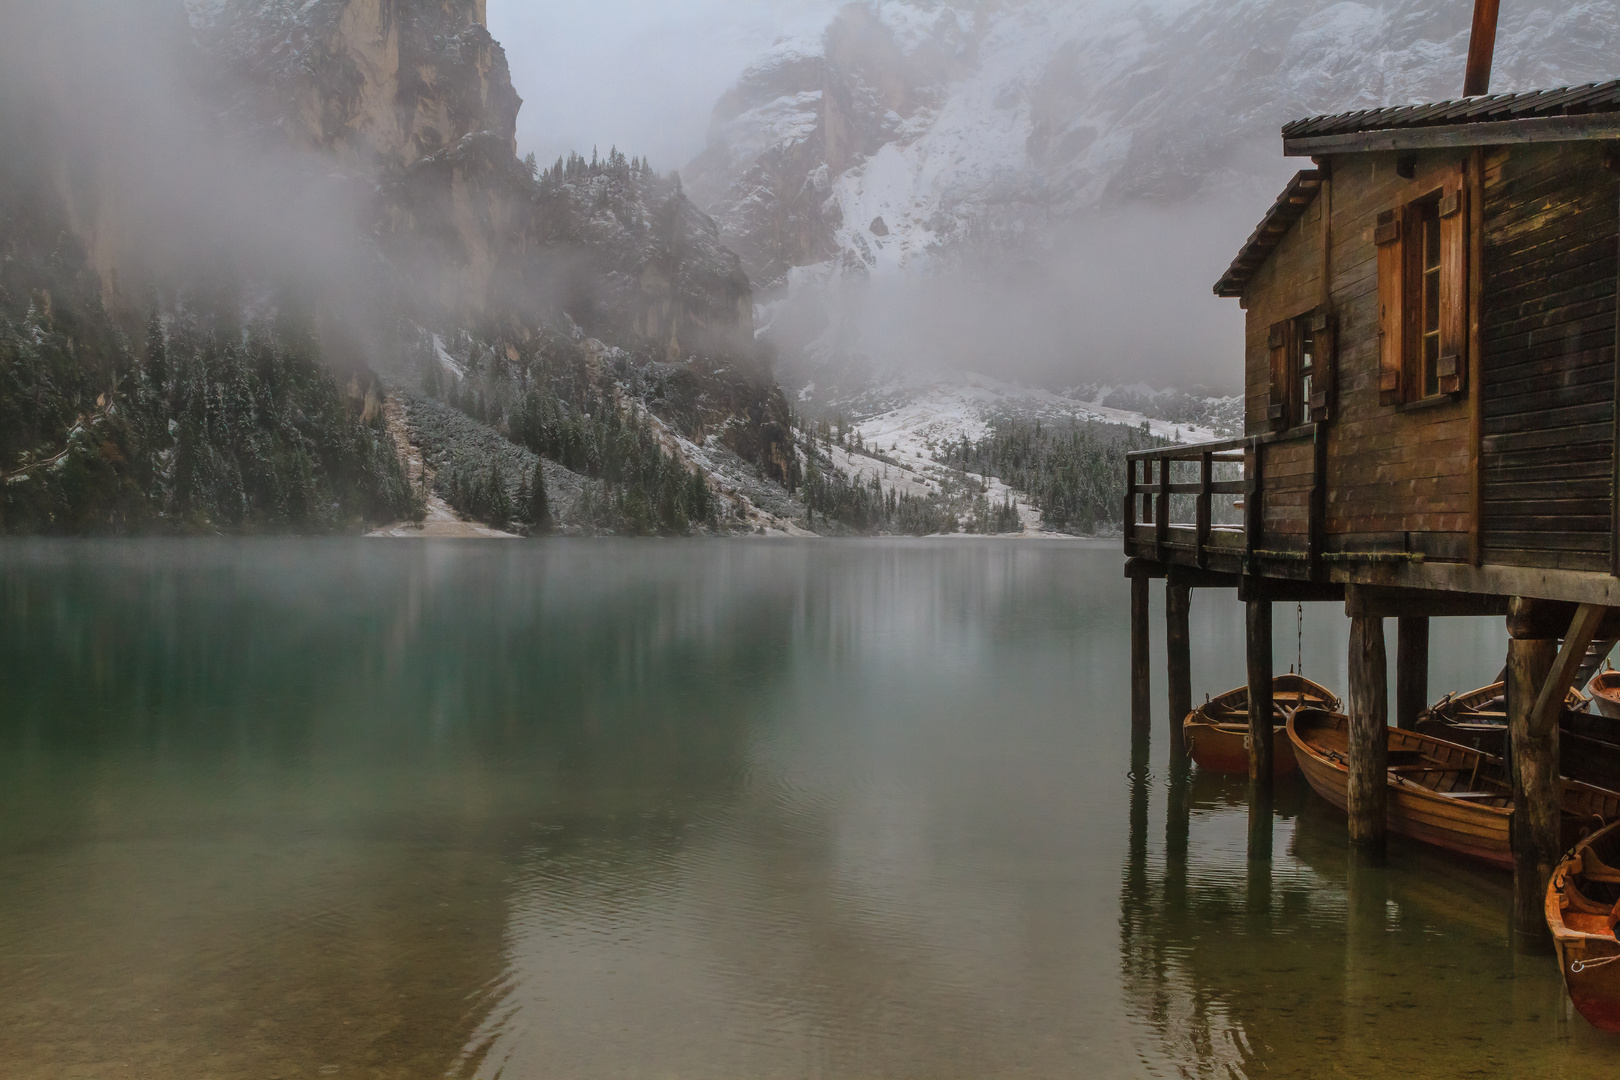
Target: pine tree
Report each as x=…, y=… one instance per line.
x=157, y=356
x=539, y=508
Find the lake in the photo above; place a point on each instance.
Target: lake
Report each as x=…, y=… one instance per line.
x=707, y=809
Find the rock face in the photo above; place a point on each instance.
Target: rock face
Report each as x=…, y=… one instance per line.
x=919, y=137
x=417, y=94
x=336, y=180
x=374, y=80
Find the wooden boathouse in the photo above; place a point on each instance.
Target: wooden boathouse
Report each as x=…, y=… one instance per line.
x=1431, y=407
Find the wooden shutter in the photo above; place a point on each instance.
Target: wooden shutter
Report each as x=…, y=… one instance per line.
x=1324, y=330
x=1453, y=366
x=1391, y=306
x=1277, y=399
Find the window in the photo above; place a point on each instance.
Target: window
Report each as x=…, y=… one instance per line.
x=1300, y=351
x=1422, y=295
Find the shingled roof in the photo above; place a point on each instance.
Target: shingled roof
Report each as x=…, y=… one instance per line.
x=1288, y=208
x=1590, y=110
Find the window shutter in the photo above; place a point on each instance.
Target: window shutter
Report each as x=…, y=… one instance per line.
x=1324, y=329
x=1277, y=400
x=1453, y=366
x=1391, y=314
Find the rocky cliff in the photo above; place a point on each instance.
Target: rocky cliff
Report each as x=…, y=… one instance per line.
x=334, y=180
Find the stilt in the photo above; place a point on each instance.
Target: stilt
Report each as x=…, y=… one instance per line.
x=1536, y=789
x=1368, y=793
x=1178, y=649
x=1141, y=697
x=1259, y=651
x=1411, y=669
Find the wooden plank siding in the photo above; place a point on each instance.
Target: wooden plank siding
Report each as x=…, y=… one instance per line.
x=1396, y=477
x=1547, y=425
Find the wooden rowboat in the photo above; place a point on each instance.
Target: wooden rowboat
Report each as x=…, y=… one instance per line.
x=1589, y=749
x=1440, y=793
x=1486, y=706
x=1216, y=734
x=1605, y=691
x=1583, y=905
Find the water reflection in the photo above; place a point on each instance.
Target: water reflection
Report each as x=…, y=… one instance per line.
x=695, y=810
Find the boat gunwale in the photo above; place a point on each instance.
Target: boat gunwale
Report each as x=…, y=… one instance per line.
x=1439, y=798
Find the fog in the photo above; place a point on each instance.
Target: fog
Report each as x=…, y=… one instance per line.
x=642, y=75
x=104, y=102
x=1121, y=296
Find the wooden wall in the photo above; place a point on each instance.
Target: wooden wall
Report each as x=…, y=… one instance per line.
x=1287, y=285
x=1547, y=451
x=1398, y=477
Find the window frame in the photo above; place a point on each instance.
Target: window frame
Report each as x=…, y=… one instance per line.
x=1291, y=403
x=1423, y=251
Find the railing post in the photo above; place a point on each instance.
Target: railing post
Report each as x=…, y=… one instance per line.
x=1206, y=477
x=1253, y=521
x=1129, y=520
x=1161, y=520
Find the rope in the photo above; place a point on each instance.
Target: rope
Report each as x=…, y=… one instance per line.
x=1578, y=966
x=1299, y=638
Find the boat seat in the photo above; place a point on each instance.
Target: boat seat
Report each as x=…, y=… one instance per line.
x=1595, y=869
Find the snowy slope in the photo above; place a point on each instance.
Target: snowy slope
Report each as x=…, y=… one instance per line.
x=917, y=138
x=926, y=418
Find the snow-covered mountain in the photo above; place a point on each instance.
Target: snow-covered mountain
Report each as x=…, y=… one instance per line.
x=919, y=139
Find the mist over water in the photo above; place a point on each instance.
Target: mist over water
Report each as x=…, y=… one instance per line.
x=691, y=809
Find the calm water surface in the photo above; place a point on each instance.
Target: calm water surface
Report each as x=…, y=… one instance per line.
x=366, y=809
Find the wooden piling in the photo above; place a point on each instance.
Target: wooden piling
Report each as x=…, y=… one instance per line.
x=1368, y=736
x=1536, y=788
x=1411, y=669
x=1178, y=649
x=1258, y=645
x=1141, y=695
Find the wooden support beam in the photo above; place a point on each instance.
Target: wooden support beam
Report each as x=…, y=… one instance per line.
x=1178, y=654
x=1411, y=669
x=1368, y=794
x=1537, y=620
x=1258, y=644
x=1550, y=701
x=1289, y=590
x=1144, y=568
x=1141, y=696
x=1194, y=578
x=1536, y=787
x=1385, y=602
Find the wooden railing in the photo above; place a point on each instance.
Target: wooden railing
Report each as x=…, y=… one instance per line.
x=1149, y=488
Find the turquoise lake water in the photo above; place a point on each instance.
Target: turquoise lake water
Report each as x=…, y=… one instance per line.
x=705, y=809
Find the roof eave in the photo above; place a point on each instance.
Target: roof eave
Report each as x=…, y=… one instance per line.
x=1493, y=133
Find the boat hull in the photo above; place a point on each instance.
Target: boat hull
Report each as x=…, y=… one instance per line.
x=1605, y=691
x=1478, y=832
x=1595, y=991
x=1225, y=749
x=1216, y=734
x=1588, y=954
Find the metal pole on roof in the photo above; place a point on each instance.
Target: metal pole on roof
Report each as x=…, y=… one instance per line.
x=1481, y=48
